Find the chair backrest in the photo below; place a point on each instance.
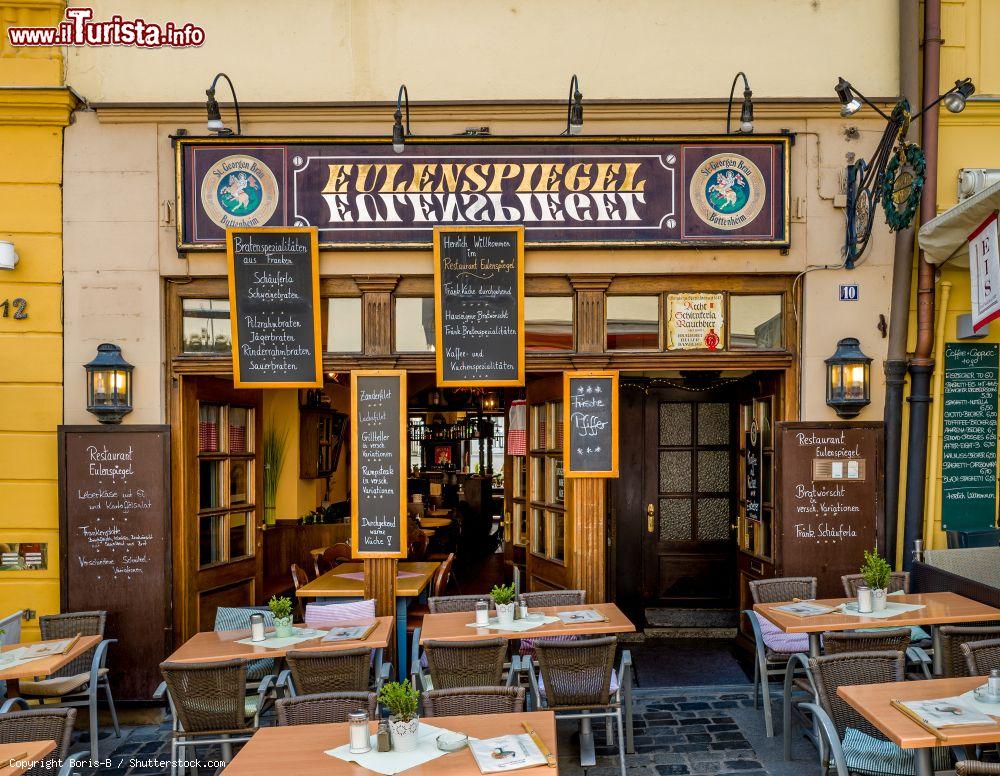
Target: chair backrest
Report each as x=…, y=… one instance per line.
x=415, y=510
x=898, y=582
x=323, y=671
x=441, y=575
x=66, y=626
x=327, y=707
x=576, y=673
x=556, y=598
x=454, y=603
x=208, y=696
x=779, y=589
x=11, y=627
x=330, y=615
x=832, y=671
x=320, y=564
x=881, y=640
x=299, y=576
x=416, y=541
x=466, y=663
x=981, y=657
x=20, y=727
x=986, y=537
x=461, y=701
x=952, y=637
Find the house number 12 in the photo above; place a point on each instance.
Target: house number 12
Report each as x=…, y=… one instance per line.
x=20, y=306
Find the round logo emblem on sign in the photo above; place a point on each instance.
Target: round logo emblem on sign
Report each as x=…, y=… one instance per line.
x=727, y=191
x=239, y=191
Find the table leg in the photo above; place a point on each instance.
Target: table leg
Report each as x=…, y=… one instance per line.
x=937, y=661
x=402, y=670
x=814, y=647
x=924, y=762
x=588, y=756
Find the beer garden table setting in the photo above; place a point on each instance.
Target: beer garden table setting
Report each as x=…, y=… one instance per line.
x=39, y=660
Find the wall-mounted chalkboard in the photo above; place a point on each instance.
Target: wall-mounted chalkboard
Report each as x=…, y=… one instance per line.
x=378, y=463
x=590, y=420
x=479, y=305
x=274, y=303
x=969, y=442
x=114, y=494
x=751, y=472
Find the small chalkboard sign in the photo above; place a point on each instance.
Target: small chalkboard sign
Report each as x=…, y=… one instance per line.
x=274, y=303
x=590, y=420
x=479, y=305
x=378, y=463
x=751, y=472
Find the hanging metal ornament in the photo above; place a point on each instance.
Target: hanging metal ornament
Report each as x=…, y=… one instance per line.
x=902, y=185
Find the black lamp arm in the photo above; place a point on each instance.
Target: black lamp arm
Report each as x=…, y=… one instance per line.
x=732, y=91
x=236, y=103
x=574, y=87
x=403, y=98
x=868, y=102
x=953, y=90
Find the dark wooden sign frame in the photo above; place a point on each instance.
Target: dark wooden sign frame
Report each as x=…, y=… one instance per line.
x=568, y=377
x=356, y=457
x=234, y=307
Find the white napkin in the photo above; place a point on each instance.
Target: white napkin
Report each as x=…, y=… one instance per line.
x=892, y=609
x=392, y=762
x=273, y=642
x=518, y=625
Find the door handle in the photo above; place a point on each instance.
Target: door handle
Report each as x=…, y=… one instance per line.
x=650, y=517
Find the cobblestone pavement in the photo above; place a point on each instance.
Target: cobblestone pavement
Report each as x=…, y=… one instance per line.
x=688, y=730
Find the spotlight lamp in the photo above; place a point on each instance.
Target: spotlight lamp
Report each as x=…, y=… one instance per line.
x=574, y=108
x=215, y=123
x=399, y=132
x=849, y=104
x=956, y=97
x=746, y=111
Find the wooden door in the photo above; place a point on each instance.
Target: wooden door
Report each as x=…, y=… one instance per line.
x=515, y=511
x=689, y=478
x=221, y=518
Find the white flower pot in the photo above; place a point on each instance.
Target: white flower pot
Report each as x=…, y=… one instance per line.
x=505, y=614
x=879, y=598
x=865, y=604
x=404, y=734
x=283, y=627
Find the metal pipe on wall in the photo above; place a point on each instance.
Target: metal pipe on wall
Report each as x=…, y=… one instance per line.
x=937, y=393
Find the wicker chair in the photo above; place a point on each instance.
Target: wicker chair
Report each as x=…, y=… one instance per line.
x=976, y=768
x=856, y=746
x=578, y=682
x=454, y=664
x=769, y=662
x=323, y=671
x=952, y=637
x=555, y=598
x=238, y=618
x=20, y=727
x=78, y=682
x=899, y=582
x=462, y=701
x=981, y=656
x=453, y=603
x=209, y=705
x=324, y=707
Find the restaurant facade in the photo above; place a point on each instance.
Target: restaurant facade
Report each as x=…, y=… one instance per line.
x=702, y=267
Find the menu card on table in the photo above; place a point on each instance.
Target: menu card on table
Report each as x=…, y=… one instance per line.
x=803, y=609
x=506, y=753
x=943, y=712
x=349, y=633
x=581, y=616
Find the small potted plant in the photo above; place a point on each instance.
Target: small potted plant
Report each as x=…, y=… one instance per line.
x=876, y=574
x=504, y=600
x=281, y=610
x=400, y=699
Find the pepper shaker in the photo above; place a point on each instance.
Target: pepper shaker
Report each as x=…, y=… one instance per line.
x=382, y=741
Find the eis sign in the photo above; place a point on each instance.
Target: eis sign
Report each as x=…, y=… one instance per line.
x=566, y=192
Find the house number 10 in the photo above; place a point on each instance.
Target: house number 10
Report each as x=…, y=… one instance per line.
x=19, y=305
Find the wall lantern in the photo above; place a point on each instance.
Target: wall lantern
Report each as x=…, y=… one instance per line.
x=215, y=123
x=746, y=112
x=848, y=379
x=574, y=108
x=109, y=384
x=399, y=133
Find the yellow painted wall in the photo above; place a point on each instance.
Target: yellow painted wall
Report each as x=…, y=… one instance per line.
x=34, y=108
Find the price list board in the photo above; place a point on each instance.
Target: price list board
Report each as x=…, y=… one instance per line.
x=969, y=440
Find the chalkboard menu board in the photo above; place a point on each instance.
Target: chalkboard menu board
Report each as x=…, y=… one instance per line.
x=378, y=463
x=969, y=454
x=114, y=493
x=274, y=299
x=751, y=472
x=479, y=305
x=830, y=505
x=590, y=417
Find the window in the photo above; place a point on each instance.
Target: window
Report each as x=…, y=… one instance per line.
x=547, y=483
x=206, y=327
x=633, y=322
x=415, y=324
x=226, y=485
x=755, y=322
x=343, y=325
x=548, y=323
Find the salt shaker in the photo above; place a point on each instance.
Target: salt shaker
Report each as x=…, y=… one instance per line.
x=358, y=725
x=522, y=607
x=382, y=741
x=257, y=627
x=993, y=683
x=482, y=612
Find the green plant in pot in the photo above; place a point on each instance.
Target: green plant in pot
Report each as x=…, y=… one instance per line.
x=876, y=573
x=275, y=437
x=281, y=610
x=400, y=699
x=504, y=600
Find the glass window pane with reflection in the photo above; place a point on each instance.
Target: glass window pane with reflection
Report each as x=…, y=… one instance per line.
x=206, y=326
x=548, y=323
x=343, y=325
x=633, y=322
x=755, y=322
x=415, y=325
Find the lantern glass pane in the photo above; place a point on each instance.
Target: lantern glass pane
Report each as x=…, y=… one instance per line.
x=835, y=390
x=102, y=380
x=121, y=381
x=854, y=387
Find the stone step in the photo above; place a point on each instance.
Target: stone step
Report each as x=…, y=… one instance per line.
x=671, y=617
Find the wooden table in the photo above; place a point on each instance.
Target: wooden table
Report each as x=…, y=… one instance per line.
x=332, y=587
x=433, y=523
x=300, y=748
x=16, y=759
x=44, y=666
x=939, y=609
x=872, y=701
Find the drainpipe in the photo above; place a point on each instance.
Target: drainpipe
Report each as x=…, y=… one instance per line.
x=902, y=276
x=932, y=498
x=922, y=363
